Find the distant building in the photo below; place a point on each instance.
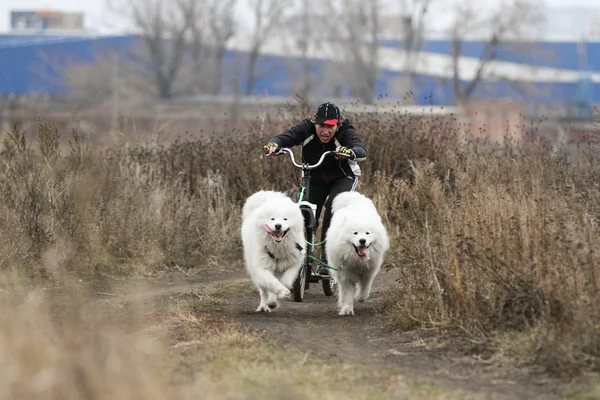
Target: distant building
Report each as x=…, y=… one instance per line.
x=550, y=77
x=39, y=20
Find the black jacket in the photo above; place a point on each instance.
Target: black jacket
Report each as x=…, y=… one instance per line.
x=305, y=133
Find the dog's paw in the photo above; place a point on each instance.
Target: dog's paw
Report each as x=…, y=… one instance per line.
x=273, y=304
x=346, y=311
x=283, y=293
x=361, y=298
x=263, y=308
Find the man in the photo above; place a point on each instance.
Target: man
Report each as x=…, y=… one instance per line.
x=324, y=132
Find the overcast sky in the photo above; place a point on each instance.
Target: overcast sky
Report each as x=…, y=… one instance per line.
x=98, y=17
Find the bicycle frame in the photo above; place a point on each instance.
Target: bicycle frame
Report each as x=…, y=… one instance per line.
x=305, y=205
x=309, y=212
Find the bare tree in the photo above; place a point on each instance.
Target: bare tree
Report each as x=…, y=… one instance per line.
x=109, y=84
x=107, y=76
x=305, y=38
x=413, y=15
x=354, y=27
x=214, y=28
x=302, y=28
x=267, y=15
x=506, y=24
x=185, y=41
x=165, y=27
x=222, y=29
x=304, y=44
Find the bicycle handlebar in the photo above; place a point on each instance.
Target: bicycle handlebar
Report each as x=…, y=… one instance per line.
x=291, y=154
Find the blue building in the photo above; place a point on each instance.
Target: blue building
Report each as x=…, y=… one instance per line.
x=564, y=74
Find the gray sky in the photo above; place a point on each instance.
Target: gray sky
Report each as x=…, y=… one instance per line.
x=97, y=16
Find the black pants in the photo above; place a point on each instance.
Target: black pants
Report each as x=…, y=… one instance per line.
x=319, y=192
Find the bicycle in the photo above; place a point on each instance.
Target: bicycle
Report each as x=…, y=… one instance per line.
x=309, y=212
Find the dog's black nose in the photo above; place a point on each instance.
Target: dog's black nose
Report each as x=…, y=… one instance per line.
x=362, y=241
x=278, y=226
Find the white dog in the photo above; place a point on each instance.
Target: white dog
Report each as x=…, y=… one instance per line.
x=273, y=240
x=356, y=244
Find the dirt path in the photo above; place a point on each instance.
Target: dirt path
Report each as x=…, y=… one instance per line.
x=314, y=326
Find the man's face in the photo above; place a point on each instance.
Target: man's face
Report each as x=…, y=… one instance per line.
x=325, y=132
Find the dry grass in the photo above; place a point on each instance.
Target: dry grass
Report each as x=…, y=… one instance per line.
x=65, y=343
x=52, y=347
x=487, y=239
x=232, y=363
x=516, y=251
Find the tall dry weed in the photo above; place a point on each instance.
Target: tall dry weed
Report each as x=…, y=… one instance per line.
x=486, y=238
x=517, y=250
x=56, y=345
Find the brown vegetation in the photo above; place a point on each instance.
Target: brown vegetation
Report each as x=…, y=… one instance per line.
x=487, y=239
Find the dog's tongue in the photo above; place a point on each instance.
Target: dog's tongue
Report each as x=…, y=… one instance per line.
x=364, y=252
x=278, y=235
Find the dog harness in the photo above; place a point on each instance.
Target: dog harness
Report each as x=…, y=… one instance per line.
x=300, y=248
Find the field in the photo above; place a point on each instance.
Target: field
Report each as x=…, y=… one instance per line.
x=122, y=272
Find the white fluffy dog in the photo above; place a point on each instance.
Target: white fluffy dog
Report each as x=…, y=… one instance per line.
x=356, y=244
x=273, y=240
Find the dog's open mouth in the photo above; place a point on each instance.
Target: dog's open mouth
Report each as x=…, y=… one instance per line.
x=276, y=235
x=362, y=252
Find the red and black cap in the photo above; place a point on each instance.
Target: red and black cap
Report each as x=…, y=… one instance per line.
x=327, y=114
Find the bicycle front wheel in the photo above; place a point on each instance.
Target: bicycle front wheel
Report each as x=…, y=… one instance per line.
x=329, y=286
x=300, y=283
